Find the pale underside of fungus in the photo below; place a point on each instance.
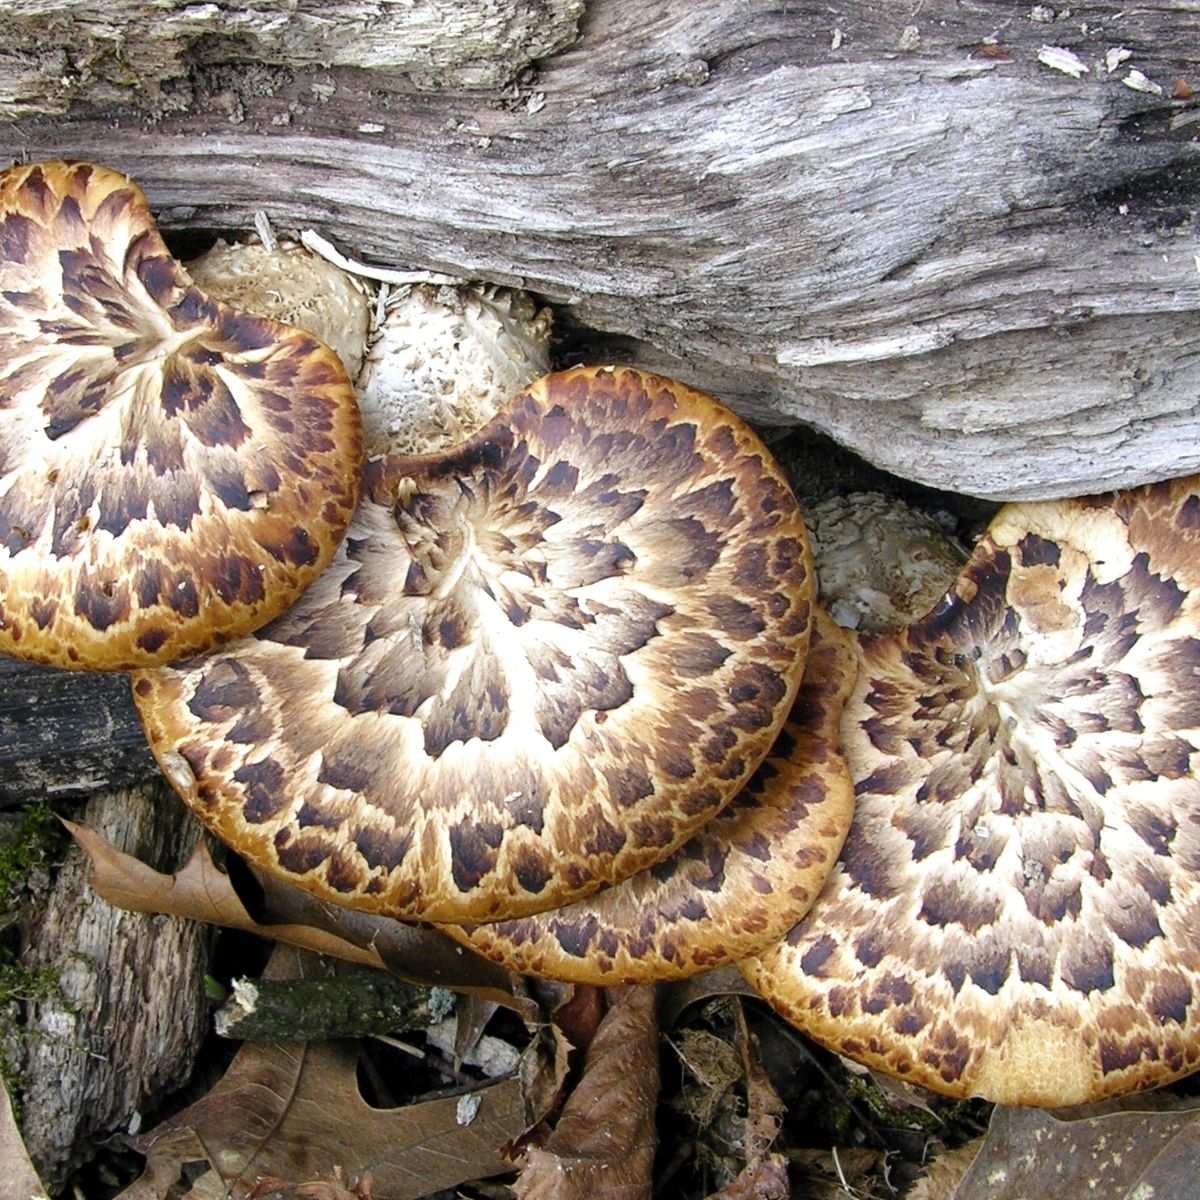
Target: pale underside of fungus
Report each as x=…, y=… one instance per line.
x=736, y=885
x=173, y=472
x=1016, y=912
x=538, y=664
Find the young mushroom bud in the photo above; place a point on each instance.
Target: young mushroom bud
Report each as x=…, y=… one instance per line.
x=173, y=472
x=540, y=661
x=290, y=284
x=442, y=362
x=880, y=562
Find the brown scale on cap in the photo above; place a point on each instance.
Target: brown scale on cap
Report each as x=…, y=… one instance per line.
x=539, y=662
x=1016, y=912
x=173, y=472
x=737, y=885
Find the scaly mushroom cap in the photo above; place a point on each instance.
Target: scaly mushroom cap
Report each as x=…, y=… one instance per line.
x=538, y=664
x=1016, y=912
x=735, y=886
x=444, y=360
x=880, y=563
x=173, y=473
x=291, y=285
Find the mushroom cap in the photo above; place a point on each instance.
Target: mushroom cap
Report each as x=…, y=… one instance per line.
x=538, y=663
x=737, y=885
x=880, y=562
x=291, y=284
x=444, y=360
x=173, y=473
x=1016, y=912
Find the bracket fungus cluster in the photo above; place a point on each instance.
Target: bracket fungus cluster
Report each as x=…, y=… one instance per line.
x=537, y=664
x=735, y=886
x=562, y=687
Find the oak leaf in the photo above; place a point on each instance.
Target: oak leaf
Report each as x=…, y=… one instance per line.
x=291, y=1113
x=1131, y=1148
x=602, y=1147
x=200, y=891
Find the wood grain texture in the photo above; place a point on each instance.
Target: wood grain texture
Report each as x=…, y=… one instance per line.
x=906, y=229
x=60, y=52
x=131, y=1012
x=65, y=734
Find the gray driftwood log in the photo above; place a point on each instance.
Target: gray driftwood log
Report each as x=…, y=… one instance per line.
x=954, y=236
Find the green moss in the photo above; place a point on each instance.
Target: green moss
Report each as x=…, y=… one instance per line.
x=37, y=841
x=19, y=982
x=874, y=1104
x=33, y=847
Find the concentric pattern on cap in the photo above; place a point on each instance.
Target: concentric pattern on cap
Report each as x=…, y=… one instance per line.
x=172, y=472
x=1015, y=914
x=735, y=886
x=537, y=665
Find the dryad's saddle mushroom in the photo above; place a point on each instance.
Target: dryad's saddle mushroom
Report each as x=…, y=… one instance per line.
x=173, y=472
x=537, y=665
x=1016, y=913
x=736, y=885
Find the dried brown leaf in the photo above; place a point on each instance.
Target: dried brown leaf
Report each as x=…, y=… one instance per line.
x=764, y=1175
x=763, y=1179
x=764, y=1108
x=1029, y=1154
x=896, y=1093
x=545, y=1073
x=836, y=1174
x=944, y=1172
x=415, y=953
x=323, y=1189
x=200, y=891
x=18, y=1179
x=334, y=1186
x=579, y=1013
x=291, y=1114
x=724, y=981
x=293, y=1110
x=327, y=1189
x=603, y=1145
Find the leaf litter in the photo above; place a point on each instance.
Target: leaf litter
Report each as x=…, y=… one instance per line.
x=295, y=1111
x=749, y=1111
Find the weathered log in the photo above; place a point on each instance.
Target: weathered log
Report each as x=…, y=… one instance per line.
x=954, y=238
x=66, y=734
x=117, y=51
x=129, y=1013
